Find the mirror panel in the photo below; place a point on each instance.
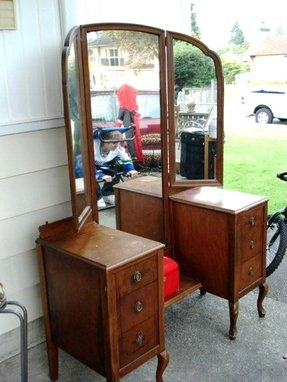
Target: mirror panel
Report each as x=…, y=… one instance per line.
x=75, y=129
x=125, y=93
x=195, y=151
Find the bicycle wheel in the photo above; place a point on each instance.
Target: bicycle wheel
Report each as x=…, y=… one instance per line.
x=276, y=245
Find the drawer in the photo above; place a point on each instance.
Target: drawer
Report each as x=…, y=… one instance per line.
x=136, y=276
x=251, y=271
x=251, y=233
x=138, y=340
x=137, y=306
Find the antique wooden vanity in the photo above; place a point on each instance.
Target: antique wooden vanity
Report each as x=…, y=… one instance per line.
x=102, y=288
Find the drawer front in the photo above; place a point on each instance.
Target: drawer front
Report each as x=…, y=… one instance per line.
x=251, y=271
x=136, y=276
x=138, y=340
x=137, y=306
x=250, y=234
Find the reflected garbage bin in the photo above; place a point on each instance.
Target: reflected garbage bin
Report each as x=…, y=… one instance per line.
x=192, y=143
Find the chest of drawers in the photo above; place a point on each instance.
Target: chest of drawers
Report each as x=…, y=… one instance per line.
x=219, y=239
x=102, y=295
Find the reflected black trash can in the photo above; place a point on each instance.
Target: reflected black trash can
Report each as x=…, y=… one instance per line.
x=192, y=155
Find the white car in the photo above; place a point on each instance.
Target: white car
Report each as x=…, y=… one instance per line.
x=266, y=105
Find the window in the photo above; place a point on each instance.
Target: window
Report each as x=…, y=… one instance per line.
x=91, y=56
x=111, y=57
x=7, y=14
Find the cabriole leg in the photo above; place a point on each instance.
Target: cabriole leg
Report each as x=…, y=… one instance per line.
x=163, y=359
x=233, y=314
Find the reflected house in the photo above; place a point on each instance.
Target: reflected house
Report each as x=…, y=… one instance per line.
x=111, y=65
x=269, y=60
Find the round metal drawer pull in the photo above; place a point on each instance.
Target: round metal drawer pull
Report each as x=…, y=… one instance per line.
x=252, y=244
x=138, y=306
x=137, y=276
x=252, y=220
x=140, y=339
x=251, y=271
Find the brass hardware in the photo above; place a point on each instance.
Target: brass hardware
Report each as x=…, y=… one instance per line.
x=137, y=276
x=252, y=244
x=251, y=271
x=140, y=339
x=138, y=306
x=252, y=220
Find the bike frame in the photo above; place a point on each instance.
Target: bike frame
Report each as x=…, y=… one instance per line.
x=272, y=218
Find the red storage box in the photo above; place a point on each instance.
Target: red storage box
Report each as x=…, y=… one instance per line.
x=170, y=276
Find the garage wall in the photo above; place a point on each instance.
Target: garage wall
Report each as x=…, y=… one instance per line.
x=34, y=188
x=34, y=185
x=30, y=71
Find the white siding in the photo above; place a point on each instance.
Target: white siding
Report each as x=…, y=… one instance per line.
x=30, y=70
x=34, y=185
x=31, y=152
x=34, y=188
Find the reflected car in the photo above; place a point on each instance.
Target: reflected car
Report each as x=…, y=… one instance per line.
x=105, y=108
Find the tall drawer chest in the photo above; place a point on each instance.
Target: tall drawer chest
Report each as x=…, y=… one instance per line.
x=102, y=293
x=219, y=239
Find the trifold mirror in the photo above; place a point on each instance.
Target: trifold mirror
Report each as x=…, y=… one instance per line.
x=162, y=91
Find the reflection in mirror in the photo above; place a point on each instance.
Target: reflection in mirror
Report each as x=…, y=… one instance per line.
x=125, y=109
x=73, y=117
x=73, y=91
x=195, y=113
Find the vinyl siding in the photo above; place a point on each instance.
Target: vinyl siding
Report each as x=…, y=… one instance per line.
x=35, y=190
x=34, y=185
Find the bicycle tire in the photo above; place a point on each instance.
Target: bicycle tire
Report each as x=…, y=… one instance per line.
x=276, y=244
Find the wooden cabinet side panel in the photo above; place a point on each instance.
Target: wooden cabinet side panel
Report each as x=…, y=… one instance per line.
x=52, y=349
x=74, y=295
x=140, y=214
x=202, y=242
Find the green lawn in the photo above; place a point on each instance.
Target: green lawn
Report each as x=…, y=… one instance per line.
x=253, y=155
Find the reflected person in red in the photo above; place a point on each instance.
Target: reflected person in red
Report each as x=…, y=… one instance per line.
x=128, y=116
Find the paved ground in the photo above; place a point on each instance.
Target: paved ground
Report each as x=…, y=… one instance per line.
x=199, y=348
x=197, y=341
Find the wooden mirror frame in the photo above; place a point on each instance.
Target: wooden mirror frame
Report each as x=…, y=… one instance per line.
x=82, y=201
x=81, y=212
x=175, y=185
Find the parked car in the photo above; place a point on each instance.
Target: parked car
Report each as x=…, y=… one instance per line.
x=265, y=105
x=105, y=107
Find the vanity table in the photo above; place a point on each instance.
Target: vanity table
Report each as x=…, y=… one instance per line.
x=102, y=288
